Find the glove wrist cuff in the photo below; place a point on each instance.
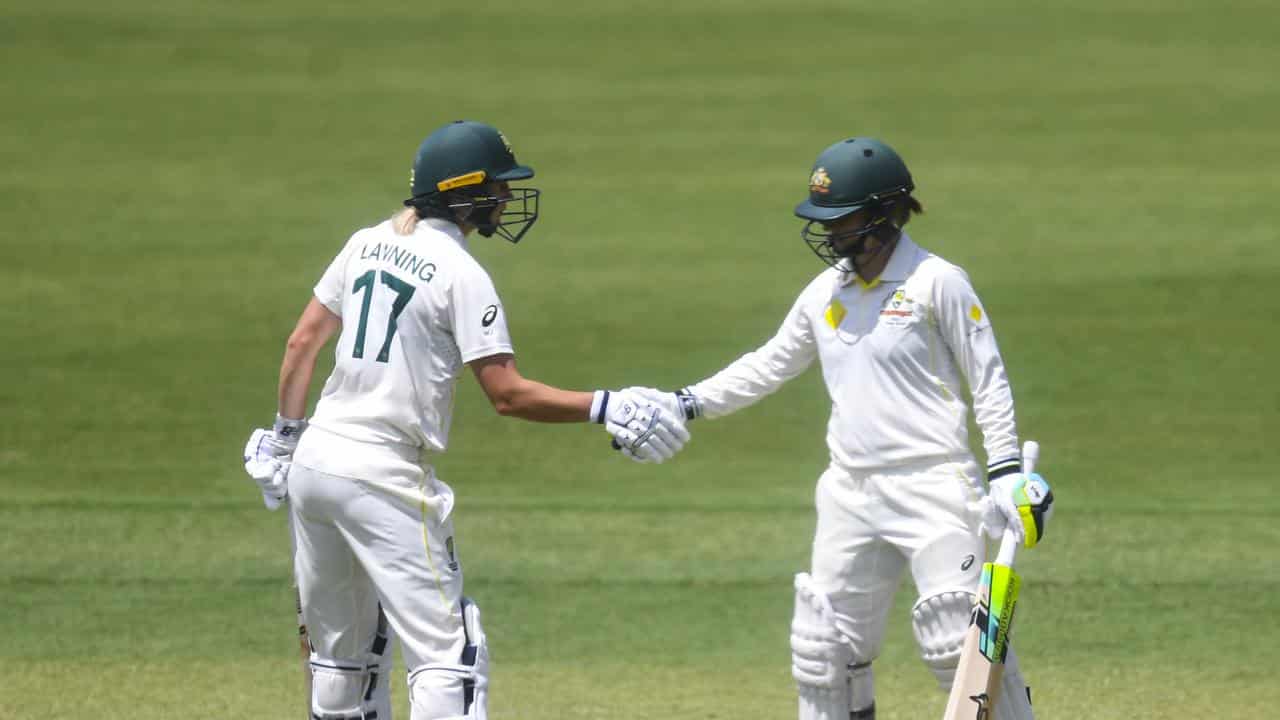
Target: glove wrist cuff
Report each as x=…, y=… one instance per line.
x=599, y=404
x=288, y=429
x=689, y=403
x=1002, y=468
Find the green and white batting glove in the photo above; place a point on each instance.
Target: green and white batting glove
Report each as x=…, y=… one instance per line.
x=1023, y=503
x=640, y=429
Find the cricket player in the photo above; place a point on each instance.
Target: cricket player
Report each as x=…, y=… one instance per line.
x=372, y=522
x=906, y=350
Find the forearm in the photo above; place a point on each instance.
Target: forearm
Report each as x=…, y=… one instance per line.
x=993, y=413
x=760, y=373
x=532, y=400
x=747, y=380
x=316, y=325
x=295, y=381
x=513, y=395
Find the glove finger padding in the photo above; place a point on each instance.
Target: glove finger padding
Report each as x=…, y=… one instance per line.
x=626, y=440
x=269, y=470
x=665, y=432
x=1035, y=507
x=254, y=447
x=1025, y=503
x=992, y=522
x=673, y=430
x=664, y=449
x=630, y=455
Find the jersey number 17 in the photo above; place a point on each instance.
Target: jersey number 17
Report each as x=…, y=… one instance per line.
x=365, y=283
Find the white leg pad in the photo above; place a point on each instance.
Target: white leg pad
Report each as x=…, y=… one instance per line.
x=337, y=689
x=940, y=622
x=455, y=691
x=820, y=655
x=378, y=690
x=1014, y=702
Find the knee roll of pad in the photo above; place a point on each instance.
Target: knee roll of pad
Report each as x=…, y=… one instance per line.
x=455, y=691
x=939, y=623
x=338, y=690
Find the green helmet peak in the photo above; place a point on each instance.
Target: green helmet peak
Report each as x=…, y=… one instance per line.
x=853, y=174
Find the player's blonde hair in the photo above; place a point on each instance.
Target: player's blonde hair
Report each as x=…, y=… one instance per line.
x=405, y=220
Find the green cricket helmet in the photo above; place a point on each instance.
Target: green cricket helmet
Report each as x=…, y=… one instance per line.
x=452, y=175
x=852, y=175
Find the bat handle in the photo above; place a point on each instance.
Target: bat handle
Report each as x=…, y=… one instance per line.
x=1030, y=456
x=1008, y=548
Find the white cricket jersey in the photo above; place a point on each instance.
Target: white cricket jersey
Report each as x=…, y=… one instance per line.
x=415, y=309
x=896, y=356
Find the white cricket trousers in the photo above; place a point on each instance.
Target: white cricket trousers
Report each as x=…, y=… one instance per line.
x=360, y=542
x=873, y=524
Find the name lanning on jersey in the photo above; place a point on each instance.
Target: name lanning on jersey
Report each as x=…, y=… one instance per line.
x=400, y=258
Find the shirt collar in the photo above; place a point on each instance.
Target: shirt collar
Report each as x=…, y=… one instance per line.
x=902, y=260
x=448, y=228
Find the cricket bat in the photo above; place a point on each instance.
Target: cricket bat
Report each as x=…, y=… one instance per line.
x=976, y=689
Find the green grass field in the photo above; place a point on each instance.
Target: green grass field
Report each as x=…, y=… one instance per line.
x=175, y=176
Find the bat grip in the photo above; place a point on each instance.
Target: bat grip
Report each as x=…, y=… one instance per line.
x=1008, y=548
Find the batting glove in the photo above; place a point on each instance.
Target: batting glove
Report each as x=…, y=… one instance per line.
x=267, y=468
x=1022, y=503
x=640, y=429
x=681, y=403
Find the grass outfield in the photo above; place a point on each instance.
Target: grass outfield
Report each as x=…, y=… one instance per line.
x=176, y=176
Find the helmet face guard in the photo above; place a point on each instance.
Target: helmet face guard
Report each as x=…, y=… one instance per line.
x=833, y=247
x=516, y=211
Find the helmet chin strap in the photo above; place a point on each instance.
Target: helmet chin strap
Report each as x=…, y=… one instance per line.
x=472, y=215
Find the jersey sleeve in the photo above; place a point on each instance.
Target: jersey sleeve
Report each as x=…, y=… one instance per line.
x=478, y=319
x=967, y=331
x=760, y=373
x=333, y=283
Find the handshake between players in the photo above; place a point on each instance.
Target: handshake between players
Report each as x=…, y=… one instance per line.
x=645, y=425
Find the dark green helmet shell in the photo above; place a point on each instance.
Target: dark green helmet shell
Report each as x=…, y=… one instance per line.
x=462, y=154
x=851, y=175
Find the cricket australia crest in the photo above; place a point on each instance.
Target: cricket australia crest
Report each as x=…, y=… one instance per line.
x=820, y=181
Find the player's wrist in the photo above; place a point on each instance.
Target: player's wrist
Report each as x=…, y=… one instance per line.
x=689, y=403
x=1001, y=468
x=285, y=432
